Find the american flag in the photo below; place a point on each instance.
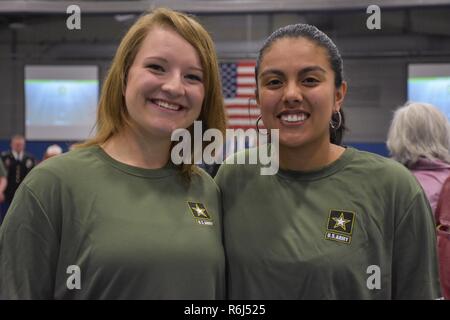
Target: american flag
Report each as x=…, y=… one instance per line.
x=238, y=82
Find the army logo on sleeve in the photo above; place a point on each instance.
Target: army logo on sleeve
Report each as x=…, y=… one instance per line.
x=200, y=213
x=340, y=226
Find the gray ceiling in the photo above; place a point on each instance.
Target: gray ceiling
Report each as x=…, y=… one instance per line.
x=209, y=6
x=409, y=28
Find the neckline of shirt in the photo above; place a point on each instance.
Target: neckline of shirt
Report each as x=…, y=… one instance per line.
x=168, y=170
x=18, y=156
x=323, y=172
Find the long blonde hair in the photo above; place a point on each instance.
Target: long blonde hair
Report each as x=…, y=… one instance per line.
x=112, y=114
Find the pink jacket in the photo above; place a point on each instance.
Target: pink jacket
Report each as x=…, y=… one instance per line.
x=443, y=238
x=431, y=174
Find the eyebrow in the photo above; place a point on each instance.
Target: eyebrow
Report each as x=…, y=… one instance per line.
x=155, y=58
x=166, y=61
x=303, y=71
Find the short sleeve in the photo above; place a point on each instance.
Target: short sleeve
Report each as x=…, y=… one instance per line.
x=28, y=249
x=415, y=263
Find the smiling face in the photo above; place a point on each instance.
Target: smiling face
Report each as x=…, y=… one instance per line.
x=164, y=89
x=296, y=92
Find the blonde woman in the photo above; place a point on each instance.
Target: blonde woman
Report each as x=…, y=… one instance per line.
x=115, y=219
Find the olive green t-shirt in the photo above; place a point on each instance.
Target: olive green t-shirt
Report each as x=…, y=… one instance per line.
x=360, y=228
x=85, y=226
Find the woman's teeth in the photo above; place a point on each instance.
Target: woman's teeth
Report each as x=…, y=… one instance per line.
x=167, y=105
x=294, y=117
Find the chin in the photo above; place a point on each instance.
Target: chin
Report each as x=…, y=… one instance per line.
x=292, y=141
x=159, y=132
x=163, y=127
x=291, y=145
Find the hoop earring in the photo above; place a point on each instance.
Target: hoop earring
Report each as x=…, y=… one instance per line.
x=257, y=126
x=333, y=125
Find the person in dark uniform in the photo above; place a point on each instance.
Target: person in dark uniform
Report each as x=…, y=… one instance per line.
x=17, y=163
x=3, y=184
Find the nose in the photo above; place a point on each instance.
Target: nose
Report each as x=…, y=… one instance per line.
x=173, y=84
x=292, y=93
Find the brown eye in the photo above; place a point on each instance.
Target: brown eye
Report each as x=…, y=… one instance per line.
x=310, y=81
x=273, y=83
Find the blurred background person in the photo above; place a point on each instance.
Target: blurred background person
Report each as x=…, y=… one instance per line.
x=17, y=163
x=53, y=150
x=419, y=138
x=443, y=237
x=3, y=184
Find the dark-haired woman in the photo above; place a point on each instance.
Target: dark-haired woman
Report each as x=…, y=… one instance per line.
x=334, y=222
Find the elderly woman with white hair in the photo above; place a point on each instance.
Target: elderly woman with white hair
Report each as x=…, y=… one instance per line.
x=53, y=150
x=419, y=138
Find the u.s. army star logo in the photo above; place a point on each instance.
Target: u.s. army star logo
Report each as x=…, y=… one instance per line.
x=340, y=226
x=200, y=213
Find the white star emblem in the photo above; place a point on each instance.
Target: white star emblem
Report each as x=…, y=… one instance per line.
x=200, y=211
x=340, y=222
